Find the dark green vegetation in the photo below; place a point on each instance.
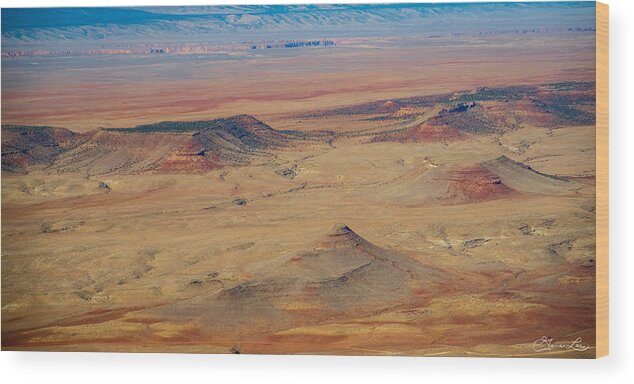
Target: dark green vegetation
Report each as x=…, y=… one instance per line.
x=246, y=129
x=249, y=130
x=228, y=124
x=489, y=110
x=500, y=94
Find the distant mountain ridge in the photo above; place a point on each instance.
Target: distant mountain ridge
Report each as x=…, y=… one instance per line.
x=47, y=24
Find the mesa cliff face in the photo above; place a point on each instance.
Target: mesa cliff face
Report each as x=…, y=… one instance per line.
x=24, y=147
x=493, y=179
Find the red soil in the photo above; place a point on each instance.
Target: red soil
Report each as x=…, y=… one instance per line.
x=428, y=132
x=191, y=158
x=476, y=183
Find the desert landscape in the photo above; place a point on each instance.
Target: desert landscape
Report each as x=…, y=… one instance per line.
x=400, y=179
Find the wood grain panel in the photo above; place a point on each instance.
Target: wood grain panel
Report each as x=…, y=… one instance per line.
x=602, y=167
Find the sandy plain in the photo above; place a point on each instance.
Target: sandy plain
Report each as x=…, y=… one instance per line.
x=369, y=234
x=87, y=269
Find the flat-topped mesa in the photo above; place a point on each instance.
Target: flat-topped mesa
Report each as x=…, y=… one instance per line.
x=228, y=124
x=24, y=146
x=163, y=147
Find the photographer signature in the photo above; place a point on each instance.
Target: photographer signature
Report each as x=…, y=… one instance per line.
x=547, y=343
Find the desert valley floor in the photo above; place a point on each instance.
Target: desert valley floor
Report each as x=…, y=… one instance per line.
x=453, y=224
